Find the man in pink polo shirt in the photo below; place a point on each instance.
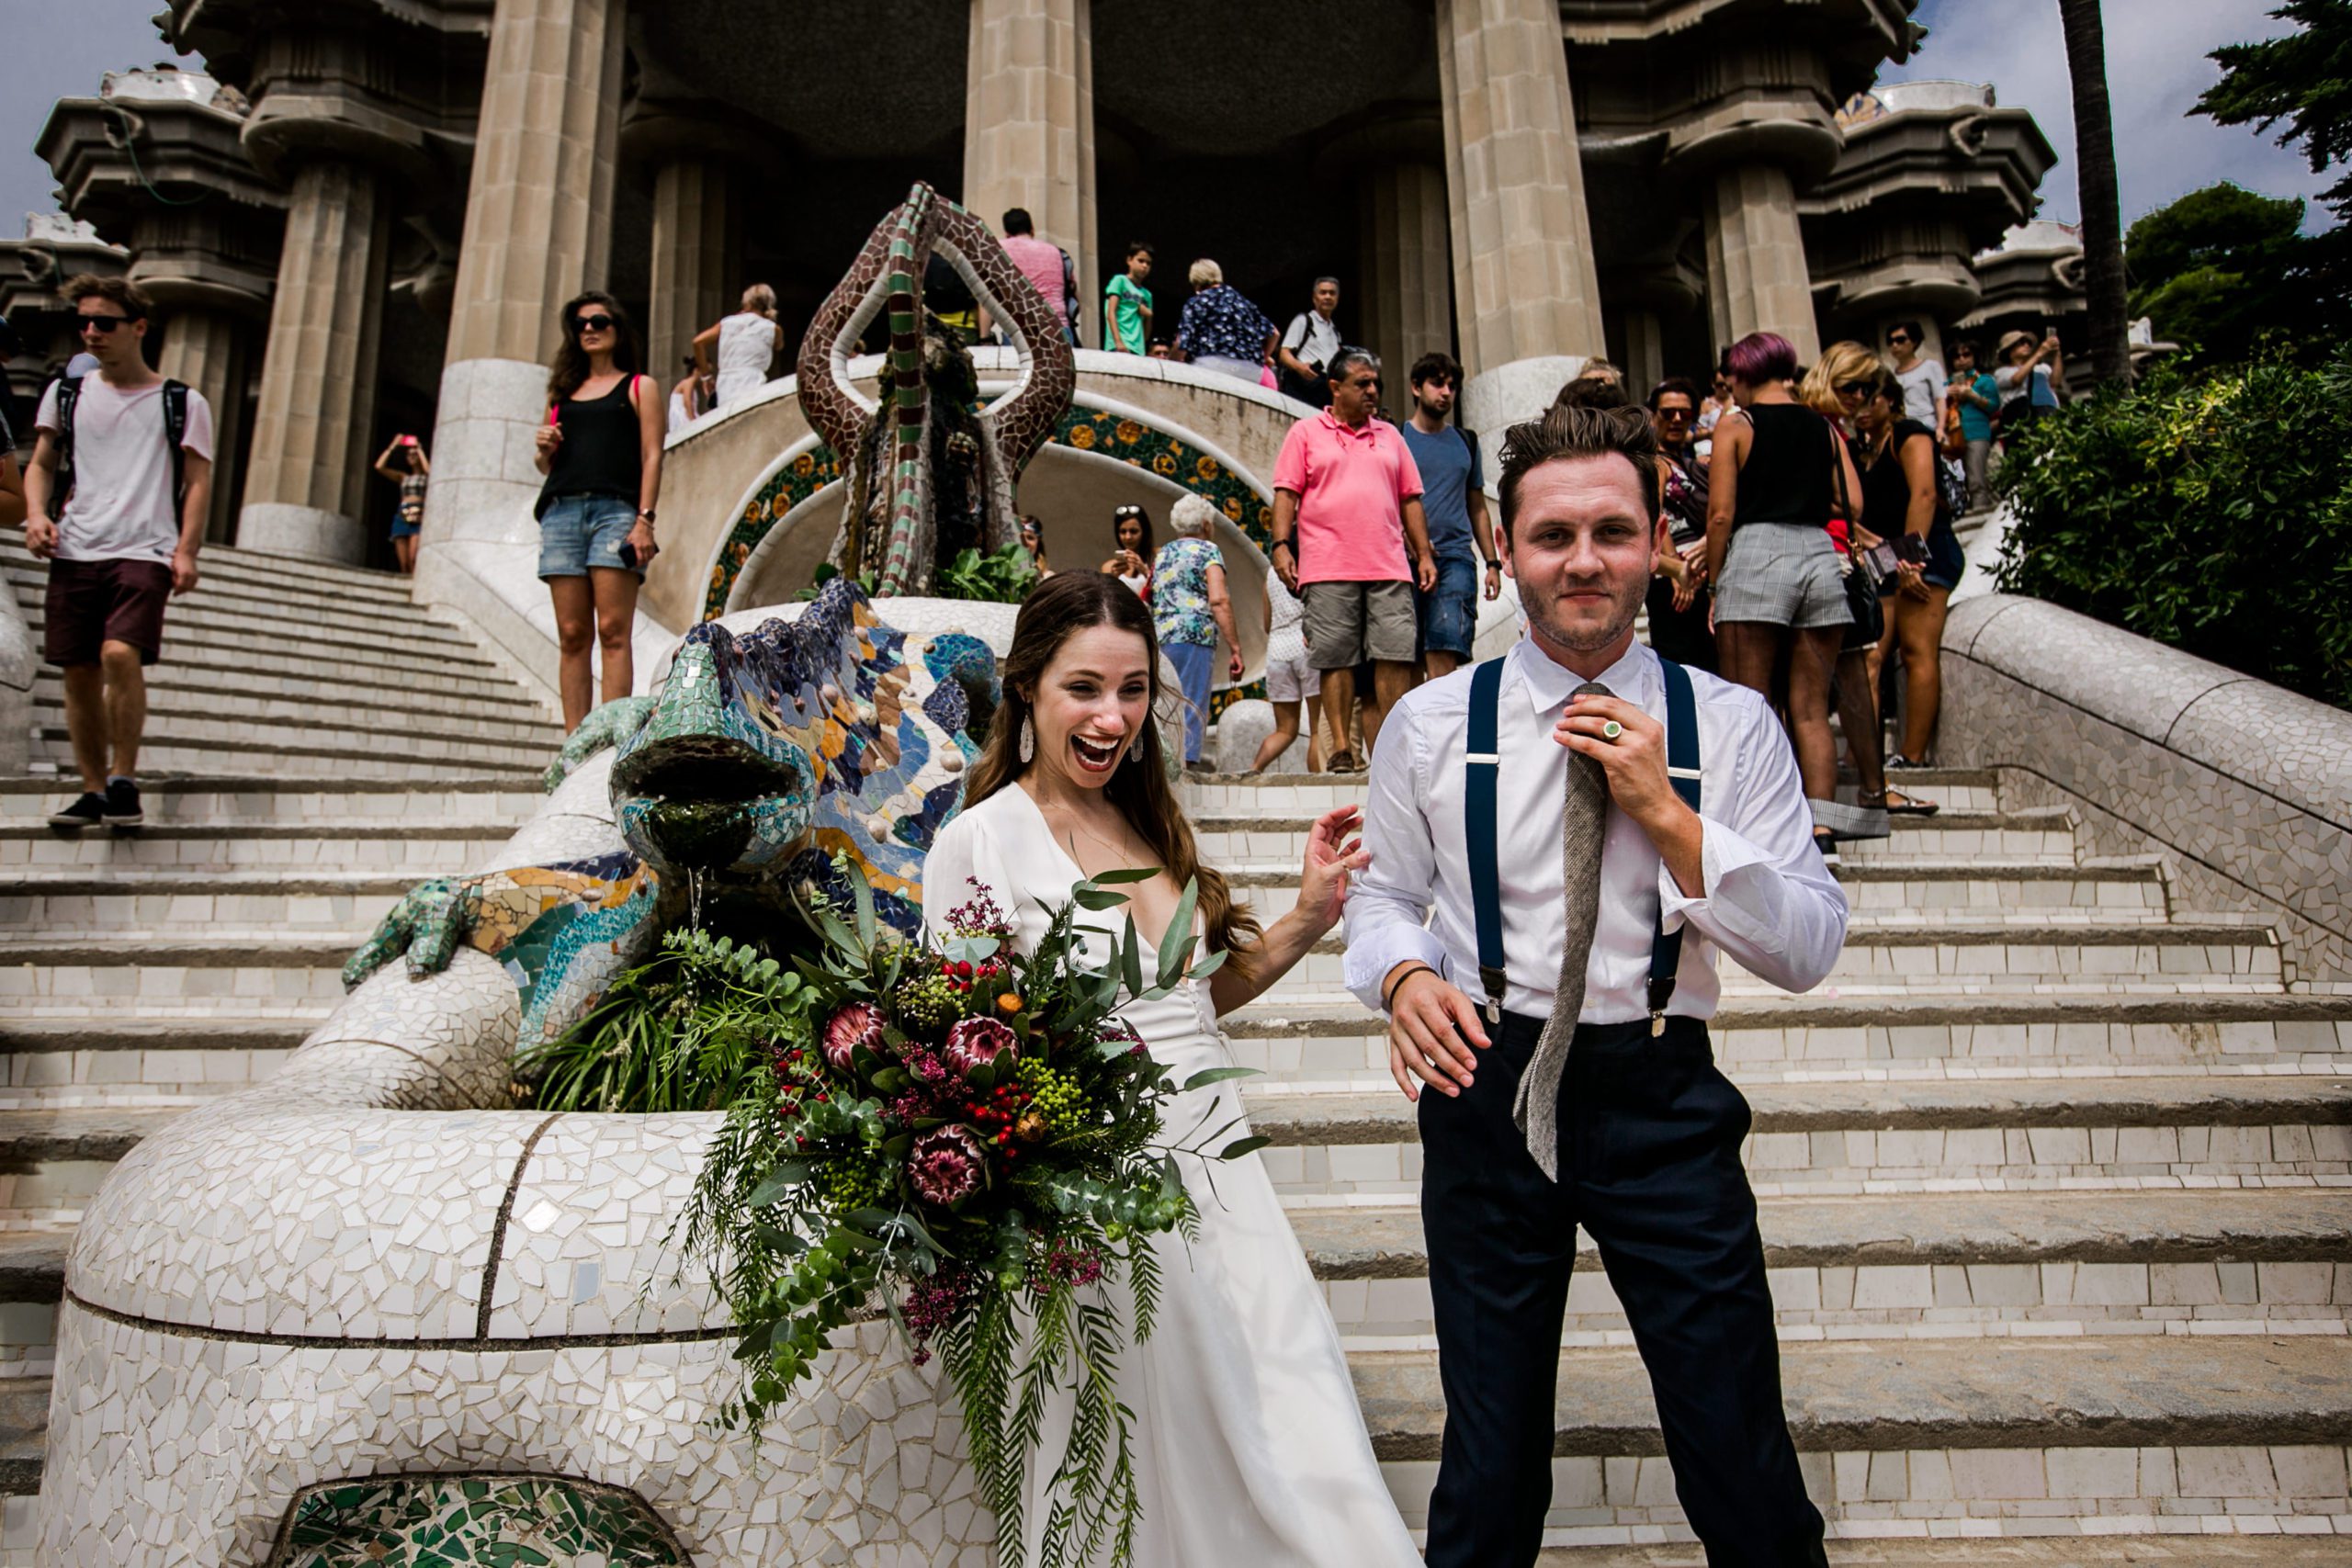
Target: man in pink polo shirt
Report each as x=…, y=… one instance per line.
x=1347, y=502
x=1046, y=265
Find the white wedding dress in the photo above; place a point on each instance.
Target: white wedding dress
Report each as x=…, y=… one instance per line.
x=1249, y=1449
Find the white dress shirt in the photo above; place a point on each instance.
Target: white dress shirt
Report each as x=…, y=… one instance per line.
x=1769, y=902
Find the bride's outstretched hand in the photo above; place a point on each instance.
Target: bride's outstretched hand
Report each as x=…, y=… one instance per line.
x=1331, y=856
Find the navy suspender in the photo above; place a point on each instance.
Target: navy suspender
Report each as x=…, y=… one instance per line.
x=1484, y=767
x=1483, y=763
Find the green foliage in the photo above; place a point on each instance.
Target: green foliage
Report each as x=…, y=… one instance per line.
x=693, y=1030
x=2220, y=265
x=2303, y=79
x=1001, y=576
x=2209, y=512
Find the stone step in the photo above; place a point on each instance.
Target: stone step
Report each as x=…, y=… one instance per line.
x=245, y=715
x=294, y=574
x=339, y=667
x=119, y=904
x=2043, y=835
x=2076, y=1434
x=231, y=799
x=1967, y=954
x=1909, y=1136
x=262, y=606
x=450, y=695
x=422, y=845
x=1765, y=1034
x=220, y=618
x=186, y=745
x=127, y=1055
x=1924, y=886
x=2184, y=1546
x=1945, y=1266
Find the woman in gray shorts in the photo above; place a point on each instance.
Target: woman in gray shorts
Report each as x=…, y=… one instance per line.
x=1771, y=482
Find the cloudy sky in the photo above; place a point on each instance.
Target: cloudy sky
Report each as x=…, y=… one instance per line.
x=2156, y=51
x=2156, y=66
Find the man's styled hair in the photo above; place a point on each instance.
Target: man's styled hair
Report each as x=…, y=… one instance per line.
x=1670, y=386
x=1566, y=433
x=1593, y=392
x=1343, y=363
x=1017, y=221
x=1436, y=366
x=132, y=298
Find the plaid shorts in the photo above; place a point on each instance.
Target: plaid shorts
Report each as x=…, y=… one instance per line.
x=1783, y=574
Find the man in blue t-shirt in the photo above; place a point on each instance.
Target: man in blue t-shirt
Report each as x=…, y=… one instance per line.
x=1453, y=498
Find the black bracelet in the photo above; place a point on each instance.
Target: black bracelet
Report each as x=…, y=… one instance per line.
x=1283, y=545
x=1388, y=996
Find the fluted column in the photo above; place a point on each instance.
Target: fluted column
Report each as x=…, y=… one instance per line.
x=207, y=349
x=1408, y=304
x=1756, y=277
x=693, y=215
x=1644, y=351
x=1029, y=127
x=1524, y=287
x=316, y=415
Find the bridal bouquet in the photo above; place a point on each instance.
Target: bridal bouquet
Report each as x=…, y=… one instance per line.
x=970, y=1138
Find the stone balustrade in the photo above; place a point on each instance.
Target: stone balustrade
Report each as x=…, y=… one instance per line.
x=2244, y=788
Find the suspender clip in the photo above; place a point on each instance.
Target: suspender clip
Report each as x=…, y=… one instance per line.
x=1657, y=1024
x=1493, y=981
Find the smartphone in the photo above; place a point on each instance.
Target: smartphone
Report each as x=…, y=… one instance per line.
x=627, y=552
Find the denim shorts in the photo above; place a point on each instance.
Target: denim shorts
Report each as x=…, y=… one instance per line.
x=1449, y=613
x=577, y=532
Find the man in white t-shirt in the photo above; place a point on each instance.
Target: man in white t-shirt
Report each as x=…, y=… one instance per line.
x=115, y=498
x=1311, y=345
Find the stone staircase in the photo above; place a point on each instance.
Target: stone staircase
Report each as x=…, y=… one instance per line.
x=318, y=744
x=2056, y=1177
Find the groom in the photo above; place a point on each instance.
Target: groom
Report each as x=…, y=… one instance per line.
x=1586, y=827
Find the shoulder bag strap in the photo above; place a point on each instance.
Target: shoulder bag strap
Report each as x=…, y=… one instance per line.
x=1683, y=773
x=1484, y=766
x=69, y=392
x=176, y=433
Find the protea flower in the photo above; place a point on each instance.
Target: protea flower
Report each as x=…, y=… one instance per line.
x=945, y=1165
x=976, y=1043
x=859, y=1023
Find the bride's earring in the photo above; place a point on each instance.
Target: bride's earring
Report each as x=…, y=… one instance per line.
x=1028, y=740
x=1135, y=752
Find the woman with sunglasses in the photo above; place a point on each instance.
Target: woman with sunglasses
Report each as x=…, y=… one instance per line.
x=600, y=447
x=1131, y=562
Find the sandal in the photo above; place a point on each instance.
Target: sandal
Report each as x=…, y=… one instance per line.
x=1894, y=803
x=1342, y=763
x=1826, y=843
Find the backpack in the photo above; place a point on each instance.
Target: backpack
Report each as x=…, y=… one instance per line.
x=69, y=392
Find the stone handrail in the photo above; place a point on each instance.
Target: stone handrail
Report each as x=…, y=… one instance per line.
x=2245, y=787
x=20, y=662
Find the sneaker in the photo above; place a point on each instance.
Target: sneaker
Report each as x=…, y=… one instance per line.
x=86, y=812
x=122, y=805
x=1897, y=761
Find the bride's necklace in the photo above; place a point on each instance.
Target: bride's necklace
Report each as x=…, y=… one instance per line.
x=1073, y=828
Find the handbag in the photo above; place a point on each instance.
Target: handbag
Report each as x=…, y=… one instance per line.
x=1862, y=589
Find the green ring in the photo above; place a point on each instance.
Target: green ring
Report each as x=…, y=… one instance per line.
x=1612, y=730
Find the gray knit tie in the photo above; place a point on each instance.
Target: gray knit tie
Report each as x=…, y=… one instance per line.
x=1584, y=821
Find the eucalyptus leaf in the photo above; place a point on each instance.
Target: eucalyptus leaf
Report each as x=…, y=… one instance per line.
x=863, y=893
x=1097, y=897
x=1208, y=1076
x=1176, y=943
x=1122, y=875
x=1241, y=1146
x=1131, y=957
x=1207, y=967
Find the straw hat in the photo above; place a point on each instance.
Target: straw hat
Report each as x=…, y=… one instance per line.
x=2010, y=340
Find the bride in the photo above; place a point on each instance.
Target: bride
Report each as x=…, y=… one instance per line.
x=1249, y=1447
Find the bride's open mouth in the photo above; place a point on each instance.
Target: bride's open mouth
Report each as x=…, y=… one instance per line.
x=1096, y=755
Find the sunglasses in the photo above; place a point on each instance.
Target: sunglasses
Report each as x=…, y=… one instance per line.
x=1897, y=339
x=1673, y=414
x=596, y=323
x=1855, y=389
x=103, y=325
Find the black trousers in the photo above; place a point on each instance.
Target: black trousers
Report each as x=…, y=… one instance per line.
x=1649, y=1163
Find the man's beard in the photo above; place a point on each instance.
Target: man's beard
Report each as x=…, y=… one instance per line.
x=1540, y=615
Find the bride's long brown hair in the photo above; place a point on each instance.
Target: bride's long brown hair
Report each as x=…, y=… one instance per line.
x=1065, y=604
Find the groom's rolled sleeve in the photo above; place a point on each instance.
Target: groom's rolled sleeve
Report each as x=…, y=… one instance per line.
x=1767, y=900
x=1389, y=900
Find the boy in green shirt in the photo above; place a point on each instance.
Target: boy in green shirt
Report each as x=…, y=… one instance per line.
x=1127, y=315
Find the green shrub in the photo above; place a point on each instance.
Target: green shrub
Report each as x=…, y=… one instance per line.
x=2210, y=512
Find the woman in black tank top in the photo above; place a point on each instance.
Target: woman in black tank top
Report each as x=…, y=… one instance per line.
x=600, y=447
x=1779, y=600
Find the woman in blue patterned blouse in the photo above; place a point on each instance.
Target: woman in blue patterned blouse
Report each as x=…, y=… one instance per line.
x=1191, y=609
x=1220, y=330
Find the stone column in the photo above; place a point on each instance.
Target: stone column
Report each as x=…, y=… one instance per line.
x=317, y=410
x=693, y=253
x=539, y=229
x=1524, y=287
x=1644, y=351
x=1757, y=279
x=1406, y=309
x=207, y=349
x=1029, y=128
